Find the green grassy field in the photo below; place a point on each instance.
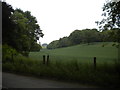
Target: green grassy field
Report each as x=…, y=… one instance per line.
x=81, y=53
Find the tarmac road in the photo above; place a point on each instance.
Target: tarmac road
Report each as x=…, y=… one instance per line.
x=10, y=80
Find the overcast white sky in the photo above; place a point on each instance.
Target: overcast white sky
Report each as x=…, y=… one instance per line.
x=58, y=18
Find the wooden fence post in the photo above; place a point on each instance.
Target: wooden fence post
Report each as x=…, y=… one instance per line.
x=47, y=59
x=12, y=56
x=94, y=62
x=43, y=59
x=118, y=51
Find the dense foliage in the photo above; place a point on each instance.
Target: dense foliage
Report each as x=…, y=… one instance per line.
x=85, y=36
x=20, y=30
x=111, y=20
x=111, y=13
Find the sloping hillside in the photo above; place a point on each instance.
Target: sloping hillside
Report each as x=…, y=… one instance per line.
x=81, y=52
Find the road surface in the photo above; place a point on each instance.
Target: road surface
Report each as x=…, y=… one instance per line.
x=10, y=80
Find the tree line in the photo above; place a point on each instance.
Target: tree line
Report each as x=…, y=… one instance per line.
x=20, y=30
x=85, y=36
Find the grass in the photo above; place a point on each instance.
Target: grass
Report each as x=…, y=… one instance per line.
x=104, y=75
x=72, y=64
x=81, y=53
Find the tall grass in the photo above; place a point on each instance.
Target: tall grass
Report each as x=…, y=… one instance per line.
x=104, y=75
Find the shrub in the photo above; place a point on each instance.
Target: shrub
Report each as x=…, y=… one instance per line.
x=8, y=53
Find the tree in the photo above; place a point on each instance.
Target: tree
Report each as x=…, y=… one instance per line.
x=20, y=29
x=53, y=44
x=75, y=37
x=7, y=23
x=27, y=31
x=35, y=47
x=85, y=36
x=111, y=12
x=64, y=42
